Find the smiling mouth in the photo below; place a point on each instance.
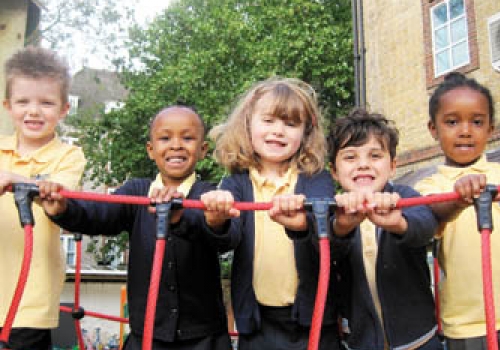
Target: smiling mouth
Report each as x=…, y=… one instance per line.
x=363, y=179
x=175, y=160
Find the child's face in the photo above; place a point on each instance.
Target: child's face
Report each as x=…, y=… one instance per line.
x=462, y=126
x=176, y=144
x=36, y=107
x=365, y=168
x=275, y=140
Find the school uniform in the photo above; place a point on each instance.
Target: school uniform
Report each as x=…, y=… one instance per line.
x=265, y=323
x=190, y=307
x=38, y=310
x=397, y=310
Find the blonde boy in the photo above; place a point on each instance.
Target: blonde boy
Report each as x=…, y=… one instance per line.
x=36, y=99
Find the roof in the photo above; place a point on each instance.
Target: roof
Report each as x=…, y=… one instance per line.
x=411, y=177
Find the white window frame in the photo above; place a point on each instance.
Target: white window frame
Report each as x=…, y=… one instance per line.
x=451, y=44
x=73, y=101
x=113, y=105
x=68, y=242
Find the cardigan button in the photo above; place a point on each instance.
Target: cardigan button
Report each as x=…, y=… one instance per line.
x=171, y=288
x=173, y=310
x=179, y=332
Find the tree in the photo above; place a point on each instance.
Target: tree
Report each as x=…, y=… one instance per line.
x=96, y=28
x=206, y=53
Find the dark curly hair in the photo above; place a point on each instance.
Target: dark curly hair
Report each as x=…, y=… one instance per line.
x=456, y=80
x=355, y=130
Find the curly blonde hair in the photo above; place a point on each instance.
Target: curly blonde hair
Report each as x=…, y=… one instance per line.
x=294, y=100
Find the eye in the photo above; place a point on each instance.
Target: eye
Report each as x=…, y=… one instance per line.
x=188, y=138
x=377, y=155
x=164, y=138
x=48, y=103
x=478, y=122
x=451, y=122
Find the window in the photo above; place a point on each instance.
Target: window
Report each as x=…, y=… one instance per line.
x=449, y=34
x=112, y=105
x=73, y=103
x=450, y=41
x=69, y=246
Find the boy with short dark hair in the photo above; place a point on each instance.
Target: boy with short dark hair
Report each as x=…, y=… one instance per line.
x=190, y=313
x=381, y=249
x=37, y=99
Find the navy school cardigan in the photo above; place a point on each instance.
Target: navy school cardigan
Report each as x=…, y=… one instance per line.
x=190, y=303
x=240, y=236
x=403, y=282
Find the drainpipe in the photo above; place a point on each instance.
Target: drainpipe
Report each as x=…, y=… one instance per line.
x=359, y=53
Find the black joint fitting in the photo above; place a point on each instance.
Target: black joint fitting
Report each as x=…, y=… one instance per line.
x=483, y=208
x=78, y=236
x=23, y=196
x=78, y=314
x=163, y=216
x=321, y=209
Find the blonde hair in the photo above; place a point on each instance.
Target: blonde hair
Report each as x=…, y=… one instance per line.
x=294, y=100
x=37, y=63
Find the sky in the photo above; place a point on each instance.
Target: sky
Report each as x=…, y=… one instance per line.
x=145, y=12
x=146, y=9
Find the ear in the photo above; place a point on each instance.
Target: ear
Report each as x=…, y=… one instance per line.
x=64, y=110
x=203, y=150
x=333, y=172
x=432, y=129
x=149, y=149
x=6, y=105
x=393, y=167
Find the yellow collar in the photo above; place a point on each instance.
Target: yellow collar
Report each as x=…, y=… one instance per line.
x=261, y=181
x=480, y=166
x=41, y=155
x=183, y=188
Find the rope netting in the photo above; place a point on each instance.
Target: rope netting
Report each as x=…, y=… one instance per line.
x=323, y=279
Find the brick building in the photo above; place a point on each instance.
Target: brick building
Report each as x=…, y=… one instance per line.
x=407, y=46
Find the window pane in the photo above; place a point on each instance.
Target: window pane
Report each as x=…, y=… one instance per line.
x=460, y=54
x=441, y=38
x=439, y=15
x=458, y=30
x=442, y=62
x=456, y=8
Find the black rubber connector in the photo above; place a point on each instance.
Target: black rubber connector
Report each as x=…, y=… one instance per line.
x=321, y=209
x=23, y=196
x=483, y=205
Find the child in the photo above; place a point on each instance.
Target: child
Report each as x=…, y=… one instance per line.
x=190, y=312
x=381, y=250
x=273, y=145
x=36, y=99
x=461, y=120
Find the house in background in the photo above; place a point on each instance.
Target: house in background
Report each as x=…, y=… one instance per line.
x=404, y=48
x=93, y=92
x=19, y=19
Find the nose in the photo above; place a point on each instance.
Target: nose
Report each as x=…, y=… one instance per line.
x=363, y=162
x=278, y=127
x=175, y=143
x=33, y=109
x=465, y=130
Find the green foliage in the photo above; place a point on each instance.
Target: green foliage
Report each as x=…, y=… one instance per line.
x=206, y=53
x=105, y=252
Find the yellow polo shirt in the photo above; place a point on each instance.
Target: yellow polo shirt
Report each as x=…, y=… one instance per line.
x=461, y=291
x=39, y=306
x=183, y=188
x=275, y=277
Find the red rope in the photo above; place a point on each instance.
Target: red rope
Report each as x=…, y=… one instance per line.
x=321, y=294
x=96, y=315
x=436, y=296
x=21, y=283
x=489, y=304
x=76, y=306
x=154, y=285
